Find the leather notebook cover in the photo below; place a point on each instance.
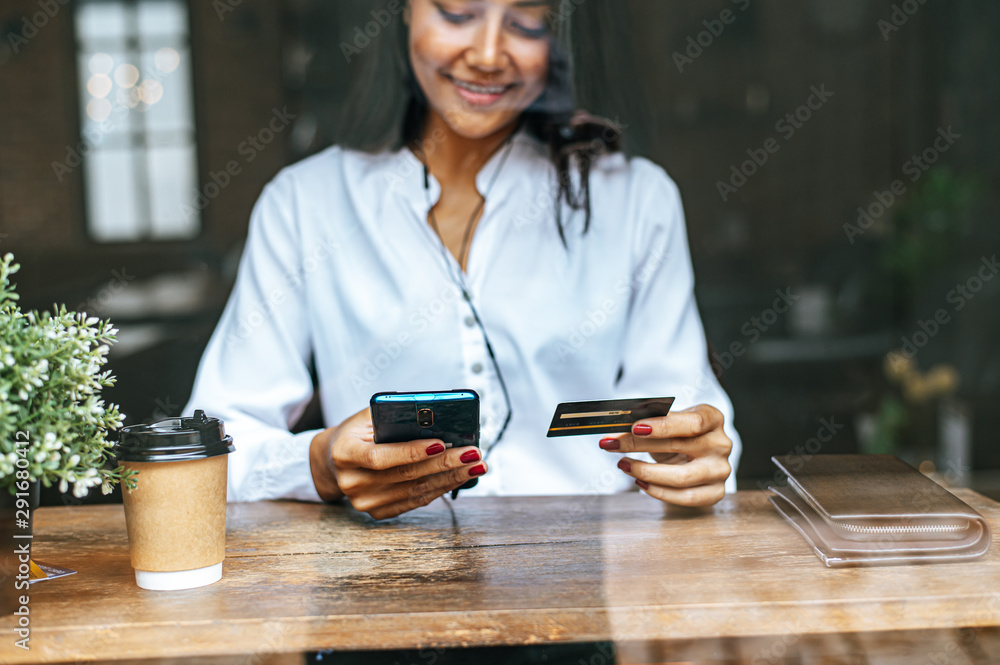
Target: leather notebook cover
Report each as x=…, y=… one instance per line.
x=876, y=510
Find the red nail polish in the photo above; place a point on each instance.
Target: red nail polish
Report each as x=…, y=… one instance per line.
x=469, y=456
x=610, y=444
x=625, y=465
x=642, y=430
x=643, y=485
x=477, y=470
x=435, y=449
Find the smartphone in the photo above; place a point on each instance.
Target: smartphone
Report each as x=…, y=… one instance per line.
x=449, y=415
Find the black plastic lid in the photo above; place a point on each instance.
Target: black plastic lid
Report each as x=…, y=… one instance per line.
x=174, y=440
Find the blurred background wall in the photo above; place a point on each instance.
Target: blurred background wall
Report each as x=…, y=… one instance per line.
x=841, y=154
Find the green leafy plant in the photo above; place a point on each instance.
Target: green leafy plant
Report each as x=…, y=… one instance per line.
x=53, y=423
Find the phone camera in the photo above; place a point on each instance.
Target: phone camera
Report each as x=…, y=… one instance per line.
x=425, y=417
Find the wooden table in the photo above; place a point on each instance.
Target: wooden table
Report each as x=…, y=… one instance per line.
x=499, y=571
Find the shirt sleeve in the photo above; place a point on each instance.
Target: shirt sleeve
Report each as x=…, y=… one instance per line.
x=666, y=351
x=254, y=374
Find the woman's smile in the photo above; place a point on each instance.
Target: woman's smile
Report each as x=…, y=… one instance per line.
x=475, y=93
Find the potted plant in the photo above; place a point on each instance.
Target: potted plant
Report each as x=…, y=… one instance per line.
x=907, y=417
x=53, y=422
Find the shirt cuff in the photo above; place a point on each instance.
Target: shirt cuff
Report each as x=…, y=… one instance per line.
x=285, y=472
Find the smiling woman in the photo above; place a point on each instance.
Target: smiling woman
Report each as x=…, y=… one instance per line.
x=406, y=258
x=541, y=63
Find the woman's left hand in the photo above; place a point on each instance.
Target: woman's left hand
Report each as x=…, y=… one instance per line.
x=691, y=451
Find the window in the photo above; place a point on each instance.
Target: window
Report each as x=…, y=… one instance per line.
x=137, y=119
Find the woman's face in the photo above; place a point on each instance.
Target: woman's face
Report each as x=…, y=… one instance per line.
x=480, y=63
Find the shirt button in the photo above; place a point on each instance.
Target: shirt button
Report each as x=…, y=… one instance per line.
x=477, y=368
x=470, y=321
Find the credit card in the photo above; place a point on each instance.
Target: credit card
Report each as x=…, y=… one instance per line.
x=607, y=416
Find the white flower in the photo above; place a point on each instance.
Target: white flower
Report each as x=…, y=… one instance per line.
x=73, y=460
x=63, y=486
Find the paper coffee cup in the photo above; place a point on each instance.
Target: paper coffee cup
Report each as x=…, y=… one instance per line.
x=176, y=517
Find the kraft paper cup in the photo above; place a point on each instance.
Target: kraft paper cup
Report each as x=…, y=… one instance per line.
x=176, y=517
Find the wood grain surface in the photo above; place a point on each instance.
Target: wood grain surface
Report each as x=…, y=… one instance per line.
x=496, y=571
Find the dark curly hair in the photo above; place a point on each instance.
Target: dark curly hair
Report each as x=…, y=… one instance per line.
x=589, y=48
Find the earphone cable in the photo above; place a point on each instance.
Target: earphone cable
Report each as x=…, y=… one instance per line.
x=459, y=281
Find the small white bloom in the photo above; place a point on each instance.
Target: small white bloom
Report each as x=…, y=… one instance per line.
x=63, y=486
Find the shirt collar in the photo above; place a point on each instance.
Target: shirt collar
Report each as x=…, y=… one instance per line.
x=407, y=179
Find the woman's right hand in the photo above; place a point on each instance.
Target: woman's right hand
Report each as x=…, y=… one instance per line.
x=386, y=479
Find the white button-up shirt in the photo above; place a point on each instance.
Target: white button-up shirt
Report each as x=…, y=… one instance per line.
x=341, y=267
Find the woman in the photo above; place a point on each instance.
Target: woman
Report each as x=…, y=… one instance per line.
x=573, y=257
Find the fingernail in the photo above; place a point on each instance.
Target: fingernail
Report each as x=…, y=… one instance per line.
x=625, y=465
x=610, y=444
x=642, y=484
x=477, y=470
x=642, y=430
x=469, y=456
x=435, y=449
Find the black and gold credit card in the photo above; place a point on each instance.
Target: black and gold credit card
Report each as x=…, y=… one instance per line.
x=606, y=416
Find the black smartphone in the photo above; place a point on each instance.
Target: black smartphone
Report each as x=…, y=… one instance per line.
x=449, y=415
